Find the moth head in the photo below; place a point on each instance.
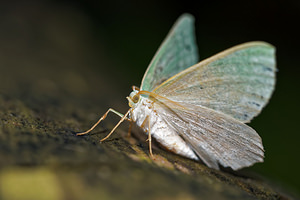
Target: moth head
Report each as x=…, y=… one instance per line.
x=134, y=97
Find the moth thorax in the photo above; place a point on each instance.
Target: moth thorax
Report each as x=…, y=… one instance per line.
x=133, y=98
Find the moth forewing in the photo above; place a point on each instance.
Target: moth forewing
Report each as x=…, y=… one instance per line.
x=238, y=81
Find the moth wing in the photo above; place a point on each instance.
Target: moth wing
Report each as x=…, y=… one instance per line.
x=177, y=52
x=214, y=137
x=238, y=81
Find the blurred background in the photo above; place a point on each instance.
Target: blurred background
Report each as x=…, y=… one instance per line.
x=92, y=52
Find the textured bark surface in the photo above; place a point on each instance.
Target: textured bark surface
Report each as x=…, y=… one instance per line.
x=41, y=158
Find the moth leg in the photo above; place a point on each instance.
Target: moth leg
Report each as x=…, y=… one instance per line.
x=149, y=139
x=129, y=128
x=102, y=118
x=121, y=120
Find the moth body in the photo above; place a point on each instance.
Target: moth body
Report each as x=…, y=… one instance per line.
x=143, y=113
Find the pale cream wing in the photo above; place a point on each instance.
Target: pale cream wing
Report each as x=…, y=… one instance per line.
x=215, y=137
x=237, y=82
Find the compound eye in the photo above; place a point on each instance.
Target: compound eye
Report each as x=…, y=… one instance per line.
x=136, y=98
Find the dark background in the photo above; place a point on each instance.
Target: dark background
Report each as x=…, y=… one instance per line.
x=106, y=46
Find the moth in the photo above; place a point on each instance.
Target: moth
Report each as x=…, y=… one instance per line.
x=199, y=109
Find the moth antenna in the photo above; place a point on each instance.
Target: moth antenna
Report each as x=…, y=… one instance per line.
x=158, y=97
